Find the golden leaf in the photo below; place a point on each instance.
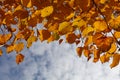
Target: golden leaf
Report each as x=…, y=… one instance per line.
x=88, y=40
x=86, y=53
x=79, y=51
x=113, y=48
x=87, y=30
x=117, y=34
x=30, y=40
x=29, y=4
x=103, y=58
x=47, y=11
x=1, y=52
x=10, y=48
x=65, y=27
x=99, y=26
x=116, y=59
x=78, y=22
x=70, y=16
x=115, y=23
x=4, y=38
x=19, y=58
x=70, y=38
x=44, y=34
x=96, y=55
x=19, y=47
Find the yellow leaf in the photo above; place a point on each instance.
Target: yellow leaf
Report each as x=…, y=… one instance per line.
x=103, y=58
x=115, y=23
x=96, y=55
x=1, y=52
x=29, y=4
x=88, y=40
x=78, y=22
x=30, y=40
x=70, y=16
x=86, y=53
x=4, y=38
x=116, y=59
x=113, y=48
x=10, y=48
x=87, y=30
x=19, y=58
x=65, y=27
x=47, y=11
x=99, y=26
x=70, y=38
x=19, y=47
x=102, y=1
x=117, y=34
x=79, y=51
x=44, y=34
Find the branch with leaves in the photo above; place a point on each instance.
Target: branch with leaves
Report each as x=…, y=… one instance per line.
x=93, y=25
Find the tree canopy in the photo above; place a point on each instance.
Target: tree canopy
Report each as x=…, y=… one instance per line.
x=93, y=25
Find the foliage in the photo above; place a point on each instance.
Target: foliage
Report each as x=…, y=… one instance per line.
x=94, y=25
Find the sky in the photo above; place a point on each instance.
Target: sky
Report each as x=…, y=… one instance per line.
x=54, y=62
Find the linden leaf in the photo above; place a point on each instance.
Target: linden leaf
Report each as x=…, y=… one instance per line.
x=4, y=38
x=96, y=55
x=117, y=34
x=19, y=58
x=30, y=40
x=70, y=38
x=113, y=48
x=89, y=40
x=19, y=47
x=44, y=34
x=99, y=26
x=116, y=59
x=86, y=53
x=78, y=22
x=115, y=23
x=1, y=52
x=79, y=51
x=10, y=48
x=29, y=4
x=87, y=30
x=103, y=58
x=47, y=11
x=70, y=16
x=65, y=27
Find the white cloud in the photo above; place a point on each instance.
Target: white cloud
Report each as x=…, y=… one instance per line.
x=55, y=62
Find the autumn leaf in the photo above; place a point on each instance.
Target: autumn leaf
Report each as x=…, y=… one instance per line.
x=1, y=52
x=87, y=30
x=103, y=58
x=47, y=11
x=100, y=26
x=44, y=34
x=79, y=51
x=65, y=27
x=10, y=48
x=70, y=38
x=113, y=48
x=116, y=59
x=78, y=22
x=19, y=47
x=30, y=40
x=88, y=40
x=117, y=34
x=19, y=58
x=96, y=55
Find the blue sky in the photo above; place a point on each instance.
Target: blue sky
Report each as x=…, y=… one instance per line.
x=54, y=62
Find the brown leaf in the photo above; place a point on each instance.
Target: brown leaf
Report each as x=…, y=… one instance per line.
x=19, y=58
x=79, y=51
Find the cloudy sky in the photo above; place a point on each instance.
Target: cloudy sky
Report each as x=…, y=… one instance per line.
x=54, y=62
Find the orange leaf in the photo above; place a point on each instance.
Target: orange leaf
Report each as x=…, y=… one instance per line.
x=10, y=48
x=79, y=51
x=96, y=55
x=1, y=52
x=19, y=58
x=30, y=40
x=103, y=58
x=19, y=47
x=44, y=34
x=116, y=59
x=70, y=38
